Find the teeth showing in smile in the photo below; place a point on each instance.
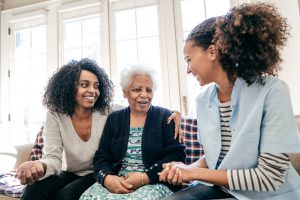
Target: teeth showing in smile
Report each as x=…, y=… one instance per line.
x=143, y=102
x=90, y=98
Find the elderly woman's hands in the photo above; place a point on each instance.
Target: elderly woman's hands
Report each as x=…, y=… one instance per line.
x=176, y=117
x=31, y=171
x=137, y=179
x=117, y=184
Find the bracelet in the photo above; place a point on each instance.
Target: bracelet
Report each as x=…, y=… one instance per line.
x=142, y=179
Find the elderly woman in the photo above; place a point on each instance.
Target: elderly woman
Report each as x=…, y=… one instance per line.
x=136, y=142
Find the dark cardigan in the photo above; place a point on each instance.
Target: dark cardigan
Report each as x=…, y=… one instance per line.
x=158, y=144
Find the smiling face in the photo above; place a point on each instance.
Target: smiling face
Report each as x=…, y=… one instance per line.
x=139, y=94
x=200, y=62
x=87, y=90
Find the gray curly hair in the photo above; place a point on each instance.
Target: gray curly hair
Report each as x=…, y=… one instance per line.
x=128, y=74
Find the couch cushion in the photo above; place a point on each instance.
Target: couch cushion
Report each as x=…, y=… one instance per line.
x=37, y=149
x=193, y=149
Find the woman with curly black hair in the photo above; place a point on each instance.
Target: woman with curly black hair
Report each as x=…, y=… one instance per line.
x=78, y=98
x=245, y=117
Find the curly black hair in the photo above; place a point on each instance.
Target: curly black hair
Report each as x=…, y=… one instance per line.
x=248, y=40
x=60, y=92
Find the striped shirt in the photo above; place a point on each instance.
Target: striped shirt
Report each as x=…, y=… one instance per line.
x=225, y=113
x=270, y=171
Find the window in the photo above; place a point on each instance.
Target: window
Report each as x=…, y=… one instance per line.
x=80, y=35
x=136, y=39
x=194, y=12
x=28, y=76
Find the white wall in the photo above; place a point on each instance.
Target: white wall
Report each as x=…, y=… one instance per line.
x=290, y=67
x=290, y=72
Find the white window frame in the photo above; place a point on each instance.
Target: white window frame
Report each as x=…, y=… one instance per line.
x=78, y=10
x=166, y=42
x=11, y=22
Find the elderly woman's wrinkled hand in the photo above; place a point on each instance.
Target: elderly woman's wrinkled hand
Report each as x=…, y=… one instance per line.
x=30, y=172
x=117, y=184
x=137, y=179
x=176, y=117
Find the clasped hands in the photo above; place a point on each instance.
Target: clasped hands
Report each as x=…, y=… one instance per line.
x=30, y=171
x=125, y=184
x=176, y=173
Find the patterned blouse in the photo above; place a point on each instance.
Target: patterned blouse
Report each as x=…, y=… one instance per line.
x=132, y=161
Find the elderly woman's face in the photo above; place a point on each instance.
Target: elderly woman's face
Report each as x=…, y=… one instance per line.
x=139, y=94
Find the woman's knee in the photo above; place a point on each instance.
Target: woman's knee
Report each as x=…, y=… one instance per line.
x=35, y=191
x=76, y=188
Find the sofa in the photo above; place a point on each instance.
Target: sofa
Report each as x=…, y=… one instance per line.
x=189, y=129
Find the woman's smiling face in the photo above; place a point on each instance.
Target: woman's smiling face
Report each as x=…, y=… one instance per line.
x=139, y=94
x=199, y=62
x=87, y=90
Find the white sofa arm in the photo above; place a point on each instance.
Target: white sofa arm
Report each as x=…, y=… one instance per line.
x=23, y=153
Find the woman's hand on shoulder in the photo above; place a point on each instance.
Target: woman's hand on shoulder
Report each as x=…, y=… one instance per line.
x=31, y=171
x=176, y=117
x=117, y=185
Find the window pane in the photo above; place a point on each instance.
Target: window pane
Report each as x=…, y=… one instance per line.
x=38, y=38
x=149, y=52
x=72, y=54
x=91, y=31
x=147, y=21
x=82, y=38
x=22, y=42
x=72, y=34
x=216, y=7
x=193, y=12
x=93, y=52
x=125, y=25
x=126, y=54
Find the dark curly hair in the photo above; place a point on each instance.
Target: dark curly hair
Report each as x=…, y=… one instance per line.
x=61, y=90
x=248, y=40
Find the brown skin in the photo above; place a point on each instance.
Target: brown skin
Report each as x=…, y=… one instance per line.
x=177, y=173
